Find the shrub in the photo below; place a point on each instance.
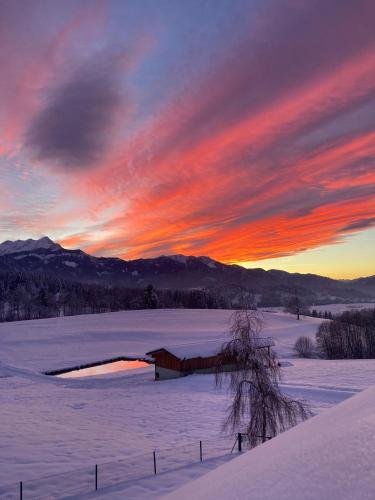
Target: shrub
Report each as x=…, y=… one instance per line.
x=304, y=347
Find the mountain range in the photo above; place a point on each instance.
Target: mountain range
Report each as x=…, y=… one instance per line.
x=44, y=256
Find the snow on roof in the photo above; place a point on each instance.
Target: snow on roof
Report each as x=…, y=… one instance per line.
x=329, y=457
x=204, y=349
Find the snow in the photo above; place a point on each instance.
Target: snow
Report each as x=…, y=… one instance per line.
x=349, y=374
x=182, y=259
x=340, y=308
x=42, y=257
x=156, y=487
x=331, y=456
x=51, y=425
x=29, y=254
x=8, y=247
x=56, y=343
x=209, y=262
x=205, y=349
x=333, y=308
x=70, y=263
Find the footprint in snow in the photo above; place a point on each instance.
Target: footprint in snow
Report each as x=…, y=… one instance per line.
x=78, y=406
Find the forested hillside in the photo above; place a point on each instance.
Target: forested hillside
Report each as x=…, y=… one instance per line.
x=31, y=296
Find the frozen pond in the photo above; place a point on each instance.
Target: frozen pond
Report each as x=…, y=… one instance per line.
x=105, y=368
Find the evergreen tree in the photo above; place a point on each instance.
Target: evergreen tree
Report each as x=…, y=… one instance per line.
x=150, y=298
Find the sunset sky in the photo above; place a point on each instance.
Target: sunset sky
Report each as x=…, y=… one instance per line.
x=239, y=129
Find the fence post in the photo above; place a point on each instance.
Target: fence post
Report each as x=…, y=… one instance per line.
x=21, y=490
x=154, y=454
x=200, y=451
x=239, y=437
x=96, y=477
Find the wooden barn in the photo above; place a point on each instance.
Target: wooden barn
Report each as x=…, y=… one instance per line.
x=184, y=359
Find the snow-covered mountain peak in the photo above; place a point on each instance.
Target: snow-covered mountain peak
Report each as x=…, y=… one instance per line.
x=9, y=247
x=208, y=261
x=178, y=258
x=183, y=259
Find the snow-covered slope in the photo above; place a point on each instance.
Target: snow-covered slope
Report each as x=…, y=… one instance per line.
x=50, y=344
x=30, y=245
x=50, y=424
x=329, y=457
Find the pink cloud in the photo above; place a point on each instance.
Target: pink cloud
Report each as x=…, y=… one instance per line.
x=226, y=166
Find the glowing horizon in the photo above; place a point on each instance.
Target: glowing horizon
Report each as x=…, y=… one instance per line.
x=242, y=130
x=333, y=261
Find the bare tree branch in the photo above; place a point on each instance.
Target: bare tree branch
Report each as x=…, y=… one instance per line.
x=254, y=374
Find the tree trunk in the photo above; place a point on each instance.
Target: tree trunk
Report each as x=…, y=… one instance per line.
x=264, y=425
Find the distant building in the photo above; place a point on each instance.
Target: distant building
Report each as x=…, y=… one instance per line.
x=185, y=359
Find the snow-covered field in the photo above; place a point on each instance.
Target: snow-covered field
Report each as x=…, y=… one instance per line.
x=329, y=457
x=340, y=308
x=333, y=308
x=49, y=344
x=50, y=425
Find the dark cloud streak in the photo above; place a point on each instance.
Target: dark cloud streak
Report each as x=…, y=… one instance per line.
x=73, y=129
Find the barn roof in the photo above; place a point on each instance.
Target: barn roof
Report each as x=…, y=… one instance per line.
x=204, y=349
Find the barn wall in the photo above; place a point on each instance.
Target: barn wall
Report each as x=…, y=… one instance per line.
x=212, y=369
x=169, y=366
x=166, y=360
x=165, y=373
x=194, y=364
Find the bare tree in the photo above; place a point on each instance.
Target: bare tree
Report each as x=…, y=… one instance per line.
x=258, y=406
x=351, y=335
x=293, y=305
x=304, y=347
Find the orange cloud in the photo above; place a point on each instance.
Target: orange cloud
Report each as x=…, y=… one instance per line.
x=251, y=159
x=227, y=196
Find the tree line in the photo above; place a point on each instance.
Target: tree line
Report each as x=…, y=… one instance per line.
x=25, y=296
x=350, y=335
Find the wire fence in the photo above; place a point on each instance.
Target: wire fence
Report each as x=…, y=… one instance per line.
x=134, y=468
